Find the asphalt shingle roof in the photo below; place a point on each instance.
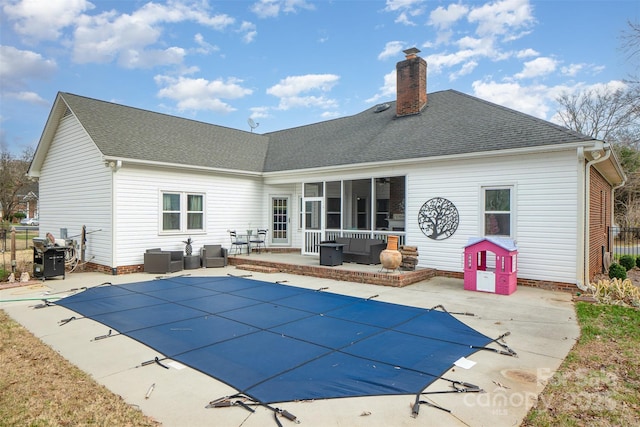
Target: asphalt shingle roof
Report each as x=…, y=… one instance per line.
x=132, y=133
x=452, y=123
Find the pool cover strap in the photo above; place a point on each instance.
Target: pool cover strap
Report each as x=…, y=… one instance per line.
x=246, y=402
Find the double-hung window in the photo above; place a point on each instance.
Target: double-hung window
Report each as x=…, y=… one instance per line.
x=498, y=211
x=182, y=212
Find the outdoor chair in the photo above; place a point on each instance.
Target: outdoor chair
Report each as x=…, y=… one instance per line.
x=158, y=261
x=259, y=240
x=213, y=256
x=237, y=243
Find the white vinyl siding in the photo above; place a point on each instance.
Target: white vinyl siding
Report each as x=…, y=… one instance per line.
x=231, y=202
x=75, y=190
x=544, y=202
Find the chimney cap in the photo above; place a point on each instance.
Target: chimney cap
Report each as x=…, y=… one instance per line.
x=411, y=52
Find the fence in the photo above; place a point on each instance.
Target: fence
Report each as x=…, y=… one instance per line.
x=23, y=238
x=624, y=241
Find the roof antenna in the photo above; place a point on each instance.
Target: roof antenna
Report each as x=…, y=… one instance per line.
x=252, y=124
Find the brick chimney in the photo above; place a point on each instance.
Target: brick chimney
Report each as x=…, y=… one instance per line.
x=411, y=84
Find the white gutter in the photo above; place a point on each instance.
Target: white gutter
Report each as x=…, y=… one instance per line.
x=118, y=161
x=281, y=177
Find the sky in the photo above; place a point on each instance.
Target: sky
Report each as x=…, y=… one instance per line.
x=266, y=65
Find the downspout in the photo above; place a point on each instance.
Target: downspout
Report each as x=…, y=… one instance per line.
x=597, y=158
x=115, y=167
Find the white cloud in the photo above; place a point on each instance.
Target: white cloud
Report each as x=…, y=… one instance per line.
x=329, y=115
x=201, y=94
x=259, y=112
x=290, y=90
x=132, y=40
x=443, y=18
x=249, y=30
x=44, y=20
x=205, y=47
x=272, y=8
x=395, y=5
x=533, y=100
x=466, y=69
x=29, y=97
x=323, y=102
x=391, y=49
x=295, y=85
x=538, y=67
x=447, y=60
x=406, y=9
x=404, y=19
x=527, y=53
x=502, y=17
x=18, y=66
x=387, y=90
x=129, y=38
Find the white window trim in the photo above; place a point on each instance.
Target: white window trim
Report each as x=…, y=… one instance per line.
x=183, y=213
x=512, y=211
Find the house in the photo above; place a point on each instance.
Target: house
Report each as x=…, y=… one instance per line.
x=434, y=169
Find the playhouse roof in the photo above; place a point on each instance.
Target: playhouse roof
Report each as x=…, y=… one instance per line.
x=504, y=242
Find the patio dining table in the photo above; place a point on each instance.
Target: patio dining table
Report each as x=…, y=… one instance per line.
x=245, y=237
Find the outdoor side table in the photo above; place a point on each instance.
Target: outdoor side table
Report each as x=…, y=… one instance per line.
x=331, y=254
x=191, y=262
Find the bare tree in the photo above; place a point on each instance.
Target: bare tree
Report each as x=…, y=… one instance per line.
x=13, y=180
x=608, y=115
x=612, y=116
x=631, y=41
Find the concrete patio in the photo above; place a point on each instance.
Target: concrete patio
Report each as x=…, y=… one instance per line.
x=541, y=324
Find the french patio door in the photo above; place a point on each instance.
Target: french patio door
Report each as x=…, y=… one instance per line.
x=280, y=234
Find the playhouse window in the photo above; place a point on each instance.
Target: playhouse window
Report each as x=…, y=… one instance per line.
x=497, y=211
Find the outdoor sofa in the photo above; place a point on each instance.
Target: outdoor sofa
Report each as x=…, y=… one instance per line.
x=361, y=251
x=158, y=261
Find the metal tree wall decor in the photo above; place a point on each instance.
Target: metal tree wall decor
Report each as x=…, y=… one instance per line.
x=438, y=218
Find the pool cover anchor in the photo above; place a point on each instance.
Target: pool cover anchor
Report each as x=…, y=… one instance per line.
x=506, y=350
x=458, y=387
x=74, y=290
x=416, y=406
x=101, y=337
x=246, y=402
x=440, y=306
x=65, y=321
x=45, y=303
x=152, y=361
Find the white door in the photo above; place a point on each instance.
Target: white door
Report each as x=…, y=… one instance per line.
x=485, y=281
x=313, y=224
x=280, y=233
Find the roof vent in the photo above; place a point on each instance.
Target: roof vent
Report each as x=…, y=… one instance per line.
x=381, y=107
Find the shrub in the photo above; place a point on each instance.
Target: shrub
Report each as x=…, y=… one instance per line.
x=616, y=291
x=627, y=261
x=616, y=271
x=638, y=261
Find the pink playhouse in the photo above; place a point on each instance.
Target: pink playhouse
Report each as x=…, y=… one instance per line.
x=496, y=274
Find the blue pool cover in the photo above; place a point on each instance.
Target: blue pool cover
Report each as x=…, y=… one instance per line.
x=277, y=343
